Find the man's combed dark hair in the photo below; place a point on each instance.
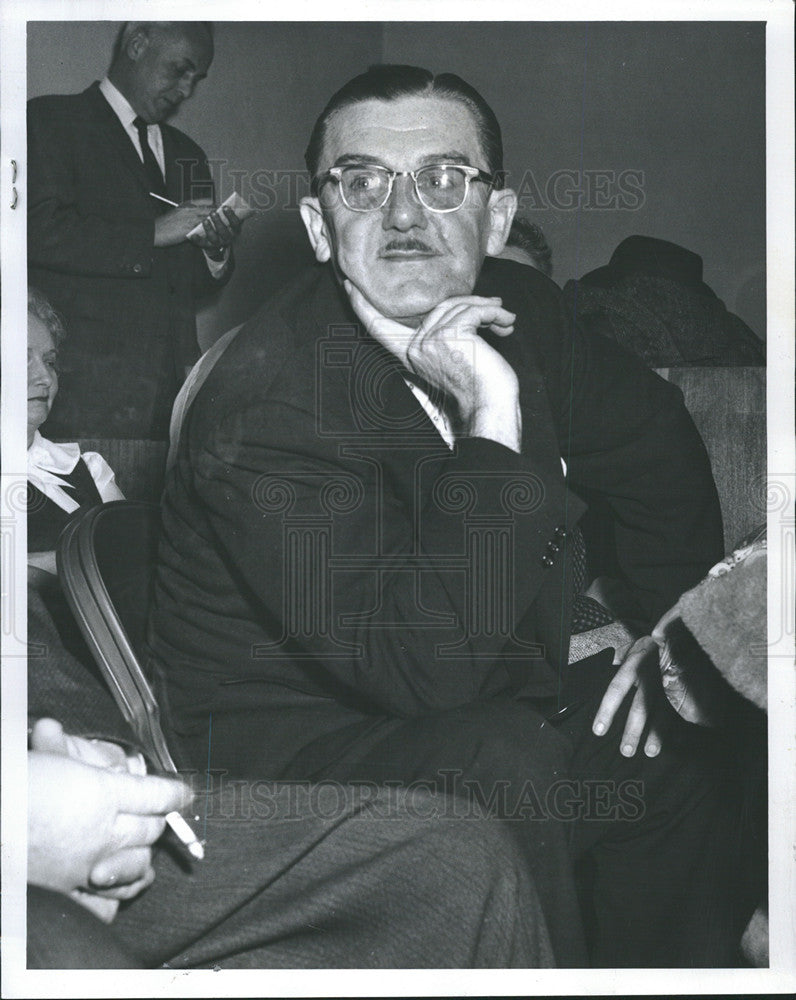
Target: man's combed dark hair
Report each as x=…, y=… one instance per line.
x=385, y=82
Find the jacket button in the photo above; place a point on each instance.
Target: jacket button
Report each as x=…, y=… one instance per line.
x=560, y=531
x=547, y=561
x=553, y=547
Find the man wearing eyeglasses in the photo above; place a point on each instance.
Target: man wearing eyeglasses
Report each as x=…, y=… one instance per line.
x=365, y=571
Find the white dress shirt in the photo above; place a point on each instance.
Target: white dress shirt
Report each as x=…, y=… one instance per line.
x=438, y=417
x=126, y=115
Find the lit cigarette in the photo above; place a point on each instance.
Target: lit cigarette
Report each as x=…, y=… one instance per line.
x=185, y=835
x=168, y=201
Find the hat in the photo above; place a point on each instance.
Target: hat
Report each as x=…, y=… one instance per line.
x=651, y=299
x=653, y=257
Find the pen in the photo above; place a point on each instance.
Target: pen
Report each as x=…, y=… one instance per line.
x=185, y=835
x=168, y=201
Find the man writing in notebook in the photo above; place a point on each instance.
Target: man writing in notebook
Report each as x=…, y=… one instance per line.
x=114, y=192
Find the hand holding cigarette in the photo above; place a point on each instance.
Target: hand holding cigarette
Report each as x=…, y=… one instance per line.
x=91, y=825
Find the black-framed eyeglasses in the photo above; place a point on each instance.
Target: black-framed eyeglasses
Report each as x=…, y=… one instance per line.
x=440, y=187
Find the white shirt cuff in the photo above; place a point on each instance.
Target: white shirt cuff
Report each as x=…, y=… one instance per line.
x=217, y=267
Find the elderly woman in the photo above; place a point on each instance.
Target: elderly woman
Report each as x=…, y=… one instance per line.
x=61, y=480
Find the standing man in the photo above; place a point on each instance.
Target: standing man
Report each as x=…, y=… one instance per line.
x=104, y=244
x=364, y=571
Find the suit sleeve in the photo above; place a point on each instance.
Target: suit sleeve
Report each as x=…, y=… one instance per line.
x=630, y=441
x=393, y=601
x=64, y=234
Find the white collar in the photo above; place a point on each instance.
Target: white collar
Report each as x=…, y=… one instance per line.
x=47, y=460
x=122, y=108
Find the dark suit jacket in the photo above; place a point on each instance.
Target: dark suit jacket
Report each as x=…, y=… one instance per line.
x=129, y=307
x=321, y=542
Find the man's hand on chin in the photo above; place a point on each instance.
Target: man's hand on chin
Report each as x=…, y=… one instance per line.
x=447, y=352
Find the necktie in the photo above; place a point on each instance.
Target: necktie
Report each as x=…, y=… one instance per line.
x=151, y=168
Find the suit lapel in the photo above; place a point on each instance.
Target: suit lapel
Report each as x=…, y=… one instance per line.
x=187, y=178
x=381, y=402
x=115, y=136
x=384, y=417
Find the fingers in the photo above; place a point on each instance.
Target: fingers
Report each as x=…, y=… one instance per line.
x=221, y=230
x=217, y=235
x=638, y=669
x=98, y=753
x=133, y=830
x=213, y=238
x=623, y=681
x=649, y=692
x=652, y=747
x=129, y=891
x=105, y=909
x=462, y=310
x=119, y=871
x=47, y=736
x=659, y=632
x=448, y=353
x=470, y=312
x=447, y=343
x=233, y=222
x=635, y=723
x=150, y=795
x=621, y=652
x=503, y=330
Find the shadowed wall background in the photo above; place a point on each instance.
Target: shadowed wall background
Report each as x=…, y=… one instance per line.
x=610, y=128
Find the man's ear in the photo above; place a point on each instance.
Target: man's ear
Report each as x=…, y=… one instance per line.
x=314, y=223
x=136, y=41
x=502, y=208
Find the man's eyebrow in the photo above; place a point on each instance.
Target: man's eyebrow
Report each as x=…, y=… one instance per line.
x=358, y=158
x=451, y=156
x=183, y=65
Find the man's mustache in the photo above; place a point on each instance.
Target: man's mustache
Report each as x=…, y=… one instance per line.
x=411, y=243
